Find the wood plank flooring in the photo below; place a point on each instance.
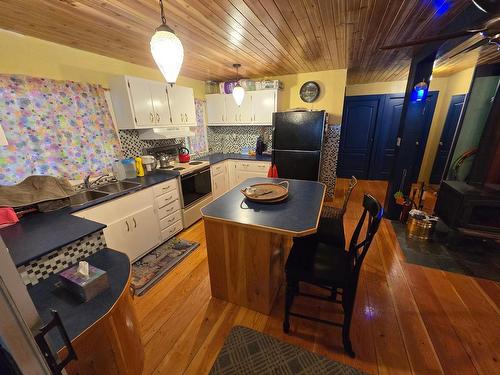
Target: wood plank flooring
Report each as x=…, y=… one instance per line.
x=407, y=319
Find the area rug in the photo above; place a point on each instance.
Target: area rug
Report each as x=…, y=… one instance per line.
x=452, y=252
x=148, y=270
x=246, y=351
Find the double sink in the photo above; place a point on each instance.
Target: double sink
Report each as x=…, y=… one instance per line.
x=87, y=196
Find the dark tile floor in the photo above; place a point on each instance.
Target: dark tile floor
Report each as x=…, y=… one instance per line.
x=451, y=252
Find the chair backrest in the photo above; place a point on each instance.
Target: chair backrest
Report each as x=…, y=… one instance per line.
x=347, y=195
x=372, y=213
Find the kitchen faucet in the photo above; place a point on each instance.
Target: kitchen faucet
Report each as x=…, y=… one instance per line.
x=86, y=181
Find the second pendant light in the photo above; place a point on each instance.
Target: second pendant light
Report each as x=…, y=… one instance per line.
x=238, y=91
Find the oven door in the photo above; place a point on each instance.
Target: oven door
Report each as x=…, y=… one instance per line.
x=195, y=186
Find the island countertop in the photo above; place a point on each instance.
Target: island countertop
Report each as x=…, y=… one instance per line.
x=297, y=216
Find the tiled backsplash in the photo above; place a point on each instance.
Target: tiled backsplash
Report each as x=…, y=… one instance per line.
x=133, y=146
x=234, y=138
x=61, y=258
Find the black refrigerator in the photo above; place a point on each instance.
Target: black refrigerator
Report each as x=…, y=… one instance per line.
x=297, y=141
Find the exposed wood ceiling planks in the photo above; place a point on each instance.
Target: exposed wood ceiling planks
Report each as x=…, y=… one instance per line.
x=268, y=37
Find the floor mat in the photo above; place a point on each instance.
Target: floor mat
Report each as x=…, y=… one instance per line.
x=148, y=270
x=246, y=351
x=449, y=251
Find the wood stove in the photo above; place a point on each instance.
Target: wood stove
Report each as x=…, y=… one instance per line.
x=464, y=206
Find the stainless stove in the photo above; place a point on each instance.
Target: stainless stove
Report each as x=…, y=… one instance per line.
x=184, y=168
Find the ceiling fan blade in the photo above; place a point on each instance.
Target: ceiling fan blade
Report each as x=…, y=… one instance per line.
x=478, y=44
x=436, y=38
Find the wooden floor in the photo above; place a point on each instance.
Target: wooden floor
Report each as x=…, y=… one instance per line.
x=408, y=318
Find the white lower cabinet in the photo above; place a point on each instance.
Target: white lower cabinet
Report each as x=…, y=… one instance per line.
x=240, y=170
x=135, y=234
x=230, y=173
x=139, y=222
x=220, y=179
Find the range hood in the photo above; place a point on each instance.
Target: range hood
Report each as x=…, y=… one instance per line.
x=165, y=133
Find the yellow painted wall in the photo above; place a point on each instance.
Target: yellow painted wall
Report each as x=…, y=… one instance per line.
x=39, y=58
x=332, y=88
x=375, y=88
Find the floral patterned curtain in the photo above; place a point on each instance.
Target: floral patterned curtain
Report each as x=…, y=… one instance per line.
x=198, y=144
x=57, y=128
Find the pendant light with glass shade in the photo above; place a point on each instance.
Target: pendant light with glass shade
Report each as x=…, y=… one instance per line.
x=167, y=50
x=238, y=91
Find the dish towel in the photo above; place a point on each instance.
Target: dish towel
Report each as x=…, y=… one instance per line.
x=272, y=172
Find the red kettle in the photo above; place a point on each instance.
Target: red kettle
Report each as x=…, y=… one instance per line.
x=184, y=155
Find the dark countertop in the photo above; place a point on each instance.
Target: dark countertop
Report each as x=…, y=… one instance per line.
x=218, y=157
x=298, y=215
x=40, y=233
x=76, y=315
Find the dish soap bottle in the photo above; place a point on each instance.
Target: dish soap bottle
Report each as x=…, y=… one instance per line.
x=138, y=166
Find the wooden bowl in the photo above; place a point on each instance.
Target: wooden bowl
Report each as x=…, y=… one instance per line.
x=266, y=192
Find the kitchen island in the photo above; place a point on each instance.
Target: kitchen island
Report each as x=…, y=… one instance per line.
x=248, y=243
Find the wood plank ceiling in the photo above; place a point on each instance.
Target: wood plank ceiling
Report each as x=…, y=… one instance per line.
x=268, y=37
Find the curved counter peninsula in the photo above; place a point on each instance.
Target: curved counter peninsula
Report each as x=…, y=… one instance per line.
x=104, y=331
x=248, y=243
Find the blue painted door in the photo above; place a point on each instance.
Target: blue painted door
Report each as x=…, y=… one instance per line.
x=450, y=126
x=386, y=133
x=356, y=136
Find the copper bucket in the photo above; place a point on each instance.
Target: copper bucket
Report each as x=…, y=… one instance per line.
x=420, y=228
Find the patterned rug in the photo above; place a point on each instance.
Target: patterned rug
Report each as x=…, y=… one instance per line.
x=246, y=351
x=148, y=270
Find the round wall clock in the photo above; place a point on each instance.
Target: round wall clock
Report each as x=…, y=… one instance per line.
x=309, y=91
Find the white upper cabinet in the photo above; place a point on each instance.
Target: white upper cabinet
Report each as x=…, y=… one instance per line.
x=216, y=108
x=161, y=105
x=140, y=103
x=256, y=109
x=241, y=114
x=182, y=105
x=263, y=106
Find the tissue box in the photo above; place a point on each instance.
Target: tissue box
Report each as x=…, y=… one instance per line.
x=82, y=287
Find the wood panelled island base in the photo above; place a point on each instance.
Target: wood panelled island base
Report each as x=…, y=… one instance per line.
x=245, y=264
x=248, y=243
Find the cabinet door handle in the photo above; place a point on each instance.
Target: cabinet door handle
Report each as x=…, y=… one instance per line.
x=135, y=222
x=186, y=117
x=222, y=117
x=157, y=117
x=151, y=117
x=128, y=226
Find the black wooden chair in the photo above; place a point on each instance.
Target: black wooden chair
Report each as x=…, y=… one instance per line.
x=331, y=222
x=327, y=266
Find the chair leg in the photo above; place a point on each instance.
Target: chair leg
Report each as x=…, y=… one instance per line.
x=291, y=291
x=348, y=305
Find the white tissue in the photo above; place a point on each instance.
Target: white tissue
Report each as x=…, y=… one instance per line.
x=83, y=268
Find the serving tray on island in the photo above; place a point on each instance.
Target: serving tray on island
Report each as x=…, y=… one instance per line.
x=266, y=192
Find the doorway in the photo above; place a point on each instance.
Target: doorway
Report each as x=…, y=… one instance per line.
x=446, y=139
x=368, y=135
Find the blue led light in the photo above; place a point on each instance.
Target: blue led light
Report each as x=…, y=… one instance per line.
x=441, y=6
